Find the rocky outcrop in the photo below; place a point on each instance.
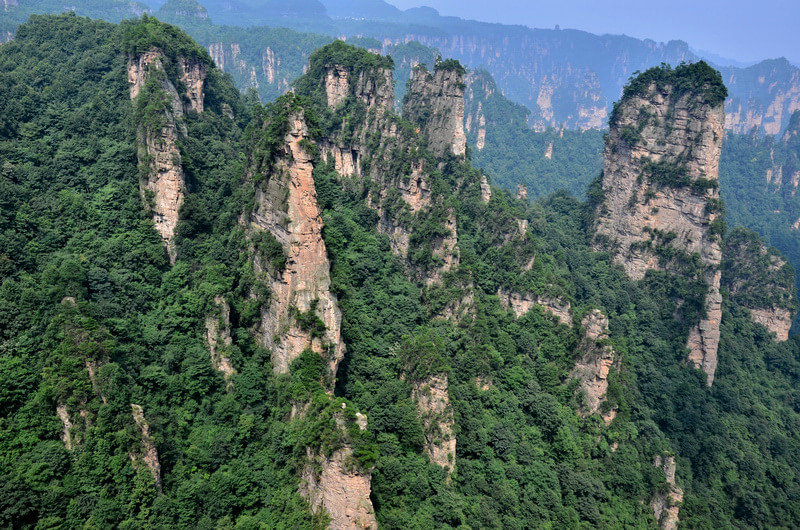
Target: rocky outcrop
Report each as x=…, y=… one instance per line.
x=8, y=4
x=66, y=434
x=433, y=404
x=592, y=369
x=373, y=87
x=286, y=207
x=548, y=153
x=193, y=76
x=522, y=192
x=445, y=249
x=522, y=303
x=435, y=103
x=661, y=195
x=760, y=280
x=486, y=190
x=163, y=187
x=228, y=57
x=666, y=503
x=218, y=338
x=147, y=453
x=334, y=485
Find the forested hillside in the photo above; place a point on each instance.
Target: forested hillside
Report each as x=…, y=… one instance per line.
x=566, y=78
x=217, y=313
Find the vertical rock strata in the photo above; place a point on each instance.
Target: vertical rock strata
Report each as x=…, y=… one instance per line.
x=286, y=207
x=148, y=453
x=163, y=187
x=594, y=366
x=666, y=503
x=218, y=338
x=435, y=102
x=661, y=196
x=433, y=404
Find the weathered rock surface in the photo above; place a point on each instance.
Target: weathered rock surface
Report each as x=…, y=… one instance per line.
x=286, y=207
x=597, y=360
x=147, y=453
x=761, y=280
x=340, y=490
x=164, y=187
x=218, y=338
x=666, y=504
x=433, y=403
x=66, y=434
x=435, y=102
x=228, y=57
x=522, y=303
x=486, y=190
x=658, y=135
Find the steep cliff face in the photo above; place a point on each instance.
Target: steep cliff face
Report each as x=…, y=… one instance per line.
x=521, y=303
x=433, y=404
x=340, y=491
x=302, y=312
x=593, y=368
x=666, y=503
x=160, y=112
x=760, y=280
x=661, y=197
x=218, y=338
x=435, y=103
x=763, y=96
x=228, y=56
x=147, y=453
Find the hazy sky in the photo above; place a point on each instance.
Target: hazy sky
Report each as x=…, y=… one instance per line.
x=746, y=30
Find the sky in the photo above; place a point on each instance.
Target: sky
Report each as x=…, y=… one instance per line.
x=744, y=30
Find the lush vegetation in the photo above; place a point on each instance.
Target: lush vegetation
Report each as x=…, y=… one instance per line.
x=513, y=153
x=696, y=77
x=85, y=281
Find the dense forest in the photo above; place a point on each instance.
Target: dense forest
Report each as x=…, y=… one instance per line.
x=114, y=411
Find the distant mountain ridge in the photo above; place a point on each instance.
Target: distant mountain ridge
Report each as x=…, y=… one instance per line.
x=567, y=78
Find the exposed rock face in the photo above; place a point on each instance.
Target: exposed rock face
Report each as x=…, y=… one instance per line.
x=218, y=337
x=594, y=366
x=66, y=434
x=486, y=190
x=148, y=454
x=446, y=249
x=341, y=490
x=164, y=187
x=760, y=280
x=522, y=192
x=666, y=504
x=337, y=85
x=433, y=404
x=435, y=102
x=660, y=186
x=286, y=207
x=228, y=57
x=763, y=96
x=522, y=303
x=548, y=154
x=372, y=87
x=193, y=75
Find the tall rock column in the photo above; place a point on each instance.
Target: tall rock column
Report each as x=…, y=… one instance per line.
x=303, y=312
x=660, y=192
x=159, y=113
x=435, y=103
